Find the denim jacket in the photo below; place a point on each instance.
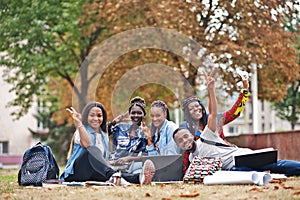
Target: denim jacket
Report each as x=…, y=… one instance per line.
x=123, y=145
x=166, y=143
x=78, y=150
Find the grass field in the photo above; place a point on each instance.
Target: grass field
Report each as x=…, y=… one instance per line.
x=285, y=189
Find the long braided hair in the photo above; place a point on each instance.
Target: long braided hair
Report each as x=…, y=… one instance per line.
x=164, y=107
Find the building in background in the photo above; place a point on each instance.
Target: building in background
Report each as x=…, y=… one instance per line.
x=15, y=137
x=267, y=122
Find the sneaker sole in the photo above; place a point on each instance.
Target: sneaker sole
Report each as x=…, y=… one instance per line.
x=148, y=171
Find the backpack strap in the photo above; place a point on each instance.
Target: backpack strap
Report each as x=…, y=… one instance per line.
x=51, y=159
x=213, y=143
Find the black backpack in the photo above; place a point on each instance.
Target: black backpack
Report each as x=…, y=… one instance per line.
x=38, y=165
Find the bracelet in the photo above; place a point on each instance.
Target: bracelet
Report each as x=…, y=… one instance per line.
x=245, y=92
x=78, y=127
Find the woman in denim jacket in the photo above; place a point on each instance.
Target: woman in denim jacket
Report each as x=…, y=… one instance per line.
x=90, y=150
x=129, y=140
x=160, y=140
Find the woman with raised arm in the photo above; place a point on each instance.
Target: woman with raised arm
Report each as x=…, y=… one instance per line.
x=210, y=144
x=196, y=117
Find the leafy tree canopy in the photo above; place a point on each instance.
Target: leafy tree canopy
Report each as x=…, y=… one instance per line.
x=49, y=40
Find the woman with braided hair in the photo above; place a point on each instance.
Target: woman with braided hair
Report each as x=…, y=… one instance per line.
x=160, y=137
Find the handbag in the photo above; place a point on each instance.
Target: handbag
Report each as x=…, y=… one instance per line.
x=201, y=167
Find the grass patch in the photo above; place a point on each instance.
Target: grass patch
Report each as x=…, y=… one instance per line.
x=284, y=190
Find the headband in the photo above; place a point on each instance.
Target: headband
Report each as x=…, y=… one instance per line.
x=189, y=100
x=141, y=105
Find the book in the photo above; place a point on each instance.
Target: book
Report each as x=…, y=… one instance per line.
x=98, y=183
x=256, y=158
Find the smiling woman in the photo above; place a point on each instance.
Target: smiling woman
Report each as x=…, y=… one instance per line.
x=161, y=140
x=129, y=139
x=88, y=160
x=196, y=116
x=90, y=131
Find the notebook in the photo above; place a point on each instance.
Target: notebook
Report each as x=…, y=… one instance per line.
x=168, y=167
x=256, y=158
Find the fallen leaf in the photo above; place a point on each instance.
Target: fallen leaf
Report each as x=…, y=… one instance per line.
x=189, y=195
x=296, y=193
x=148, y=194
x=256, y=189
x=276, y=187
x=275, y=181
x=286, y=186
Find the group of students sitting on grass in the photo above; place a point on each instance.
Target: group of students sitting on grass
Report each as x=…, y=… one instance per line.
x=91, y=160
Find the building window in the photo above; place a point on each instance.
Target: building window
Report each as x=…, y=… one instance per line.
x=233, y=129
x=250, y=116
x=3, y=147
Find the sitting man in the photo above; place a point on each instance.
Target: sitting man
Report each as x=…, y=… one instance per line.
x=210, y=144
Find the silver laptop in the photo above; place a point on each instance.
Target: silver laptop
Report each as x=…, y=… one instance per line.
x=168, y=168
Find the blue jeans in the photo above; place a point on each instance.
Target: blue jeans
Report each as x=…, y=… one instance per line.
x=286, y=167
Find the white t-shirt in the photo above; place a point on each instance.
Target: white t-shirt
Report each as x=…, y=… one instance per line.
x=98, y=143
x=209, y=150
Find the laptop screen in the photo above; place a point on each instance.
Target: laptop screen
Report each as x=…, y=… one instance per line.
x=168, y=167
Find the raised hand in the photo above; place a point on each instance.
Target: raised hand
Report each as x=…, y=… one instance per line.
x=212, y=101
x=147, y=133
x=245, y=79
x=76, y=116
x=210, y=81
x=120, y=117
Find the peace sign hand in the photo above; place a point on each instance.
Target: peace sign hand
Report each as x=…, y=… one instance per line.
x=210, y=81
x=75, y=115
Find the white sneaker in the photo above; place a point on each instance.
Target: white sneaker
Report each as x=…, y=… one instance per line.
x=123, y=182
x=148, y=171
x=117, y=180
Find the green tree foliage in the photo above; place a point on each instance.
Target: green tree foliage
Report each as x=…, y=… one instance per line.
x=41, y=40
x=289, y=108
x=44, y=43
